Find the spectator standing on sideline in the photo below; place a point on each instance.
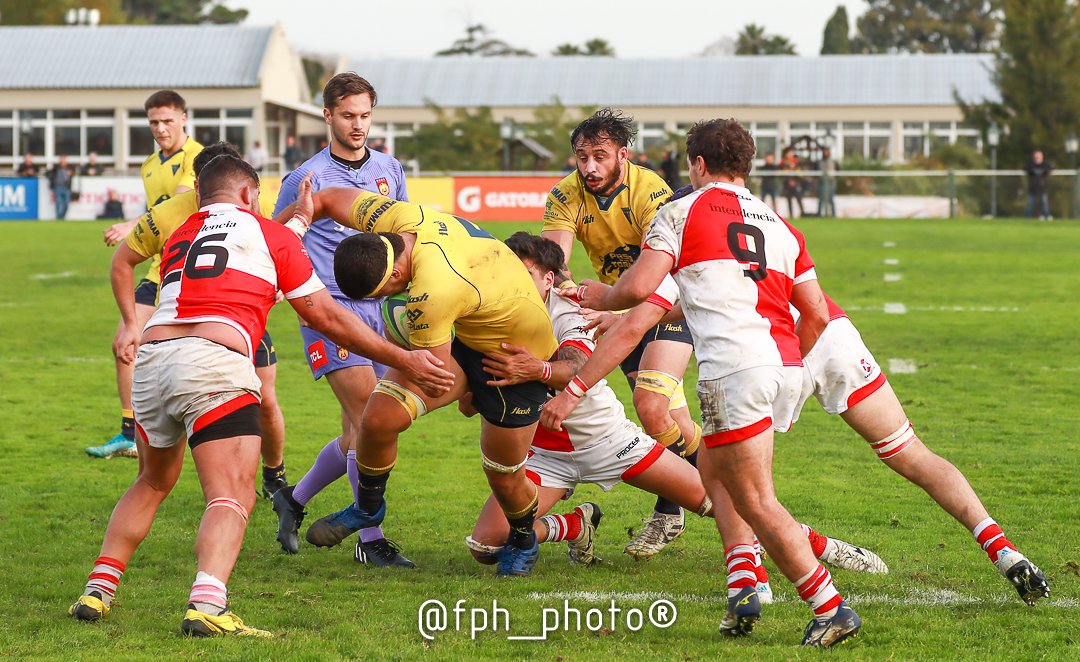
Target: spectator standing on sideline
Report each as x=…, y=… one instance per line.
x=669, y=168
x=293, y=157
x=792, y=184
x=92, y=169
x=644, y=161
x=258, y=156
x=28, y=168
x=60, y=178
x=770, y=183
x=827, y=187
x=114, y=209
x=1038, y=175
x=571, y=164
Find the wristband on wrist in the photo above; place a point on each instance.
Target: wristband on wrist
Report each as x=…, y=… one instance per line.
x=545, y=371
x=576, y=387
x=298, y=224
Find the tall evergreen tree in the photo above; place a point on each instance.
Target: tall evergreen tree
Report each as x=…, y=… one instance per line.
x=753, y=40
x=928, y=26
x=836, y=40
x=184, y=12
x=478, y=42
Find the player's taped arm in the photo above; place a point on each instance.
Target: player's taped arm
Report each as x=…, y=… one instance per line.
x=346, y=329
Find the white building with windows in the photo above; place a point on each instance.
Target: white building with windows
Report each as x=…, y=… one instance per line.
x=881, y=107
x=73, y=90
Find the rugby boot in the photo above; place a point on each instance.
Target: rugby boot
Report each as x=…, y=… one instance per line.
x=382, y=553
x=118, y=446
x=272, y=485
x=517, y=561
x=201, y=624
x=290, y=517
x=332, y=529
x=1029, y=580
x=849, y=557
x=827, y=632
x=582, y=550
x=764, y=593
x=658, y=532
x=88, y=608
x=743, y=613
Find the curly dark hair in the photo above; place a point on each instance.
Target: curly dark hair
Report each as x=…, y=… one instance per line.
x=604, y=124
x=727, y=147
x=544, y=253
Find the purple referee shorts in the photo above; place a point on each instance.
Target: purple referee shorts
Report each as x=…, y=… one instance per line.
x=323, y=354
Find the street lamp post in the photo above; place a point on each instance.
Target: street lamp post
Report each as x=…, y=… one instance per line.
x=1072, y=146
x=826, y=194
x=506, y=132
x=993, y=136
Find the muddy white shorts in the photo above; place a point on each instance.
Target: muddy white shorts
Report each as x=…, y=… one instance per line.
x=748, y=402
x=621, y=455
x=839, y=371
x=184, y=385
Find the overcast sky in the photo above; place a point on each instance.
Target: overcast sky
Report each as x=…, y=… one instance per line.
x=418, y=28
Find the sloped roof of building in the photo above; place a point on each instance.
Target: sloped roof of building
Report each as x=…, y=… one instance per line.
x=832, y=80
x=131, y=56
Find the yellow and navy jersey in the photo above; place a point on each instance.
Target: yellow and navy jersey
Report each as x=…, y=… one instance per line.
x=161, y=176
x=463, y=279
x=610, y=228
x=157, y=225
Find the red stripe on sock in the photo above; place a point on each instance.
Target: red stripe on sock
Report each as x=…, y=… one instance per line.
x=110, y=561
x=817, y=541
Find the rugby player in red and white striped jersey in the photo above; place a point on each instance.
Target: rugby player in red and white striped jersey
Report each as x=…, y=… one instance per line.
x=195, y=377
x=739, y=266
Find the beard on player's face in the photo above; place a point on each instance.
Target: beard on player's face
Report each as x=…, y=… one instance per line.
x=599, y=183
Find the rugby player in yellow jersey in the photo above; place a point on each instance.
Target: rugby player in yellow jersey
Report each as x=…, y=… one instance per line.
x=165, y=173
x=608, y=203
x=145, y=242
x=467, y=294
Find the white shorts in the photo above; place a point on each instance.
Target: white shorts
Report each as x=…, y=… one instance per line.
x=748, y=402
x=621, y=455
x=182, y=385
x=840, y=371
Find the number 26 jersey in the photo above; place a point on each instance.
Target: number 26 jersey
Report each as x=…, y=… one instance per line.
x=225, y=264
x=736, y=262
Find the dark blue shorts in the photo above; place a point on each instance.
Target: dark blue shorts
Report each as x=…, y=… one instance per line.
x=265, y=354
x=324, y=356
x=505, y=406
x=677, y=331
x=146, y=293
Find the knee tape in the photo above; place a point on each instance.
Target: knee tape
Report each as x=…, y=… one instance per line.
x=895, y=443
x=412, y=402
x=705, y=509
x=678, y=401
x=479, y=547
x=231, y=504
x=658, y=382
x=492, y=465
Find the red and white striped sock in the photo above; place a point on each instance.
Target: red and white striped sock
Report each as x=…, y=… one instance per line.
x=816, y=589
x=817, y=541
x=988, y=534
x=105, y=578
x=742, y=564
x=208, y=594
x=562, y=527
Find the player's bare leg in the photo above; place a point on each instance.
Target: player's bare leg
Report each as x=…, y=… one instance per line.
x=504, y=452
x=881, y=421
x=661, y=407
x=227, y=473
x=159, y=469
x=272, y=424
x=492, y=528
x=123, y=444
x=744, y=469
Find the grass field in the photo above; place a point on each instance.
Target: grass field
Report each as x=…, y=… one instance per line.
x=990, y=326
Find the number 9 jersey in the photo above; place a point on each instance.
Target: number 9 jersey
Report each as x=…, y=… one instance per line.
x=225, y=264
x=735, y=261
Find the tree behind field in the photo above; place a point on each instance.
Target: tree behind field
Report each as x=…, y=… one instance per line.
x=836, y=40
x=753, y=40
x=928, y=26
x=183, y=12
x=478, y=42
x=52, y=12
x=458, y=140
x=593, y=47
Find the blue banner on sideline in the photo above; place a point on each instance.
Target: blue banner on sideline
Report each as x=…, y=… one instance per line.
x=18, y=198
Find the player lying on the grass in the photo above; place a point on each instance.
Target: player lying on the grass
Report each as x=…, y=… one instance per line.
x=461, y=279
x=739, y=267
x=145, y=242
x=608, y=203
x=598, y=444
x=194, y=377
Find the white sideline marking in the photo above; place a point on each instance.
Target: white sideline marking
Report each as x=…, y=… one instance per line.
x=939, y=309
x=891, y=262
x=895, y=308
x=902, y=366
x=12, y=304
x=893, y=278
x=909, y=596
x=889, y=244
x=62, y=274
x=65, y=359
